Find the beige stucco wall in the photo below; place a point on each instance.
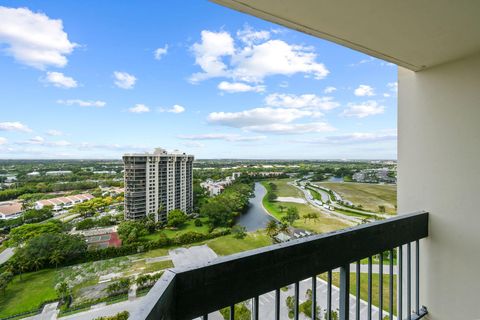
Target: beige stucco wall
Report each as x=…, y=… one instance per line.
x=439, y=171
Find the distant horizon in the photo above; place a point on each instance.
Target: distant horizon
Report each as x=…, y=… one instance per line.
x=200, y=159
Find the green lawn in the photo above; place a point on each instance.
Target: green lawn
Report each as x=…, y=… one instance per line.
x=227, y=245
x=364, y=287
x=369, y=196
x=284, y=189
x=323, y=224
x=28, y=293
x=189, y=226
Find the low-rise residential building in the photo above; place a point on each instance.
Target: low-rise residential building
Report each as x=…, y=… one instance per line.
x=214, y=188
x=33, y=174
x=104, y=172
x=63, y=202
x=112, y=191
x=10, y=209
x=58, y=173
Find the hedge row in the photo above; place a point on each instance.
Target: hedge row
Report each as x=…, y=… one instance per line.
x=161, y=242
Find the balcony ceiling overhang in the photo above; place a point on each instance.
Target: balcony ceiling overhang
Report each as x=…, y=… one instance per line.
x=415, y=34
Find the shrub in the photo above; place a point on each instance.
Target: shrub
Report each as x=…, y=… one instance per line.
x=119, y=316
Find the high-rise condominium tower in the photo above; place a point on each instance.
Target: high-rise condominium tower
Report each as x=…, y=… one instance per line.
x=157, y=183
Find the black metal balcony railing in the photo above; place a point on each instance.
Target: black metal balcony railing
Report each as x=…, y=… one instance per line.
x=197, y=291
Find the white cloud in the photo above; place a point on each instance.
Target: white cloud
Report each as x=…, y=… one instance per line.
x=139, y=108
x=3, y=140
x=193, y=144
x=217, y=57
x=259, y=116
x=82, y=103
x=33, y=38
x=250, y=36
x=363, y=110
x=14, y=126
x=310, y=101
x=364, y=90
x=160, y=52
x=329, y=89
x=233, y=87
x=363, y=61
x=59, y=80
x=209, y=52
x=275, y=57
x=55, y=133
x=221, y=136
x=175, y=109
x=35, y=140
x=393, y=86
x=293, y=128
x=124, y=80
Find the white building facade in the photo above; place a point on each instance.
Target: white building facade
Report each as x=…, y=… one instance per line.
x=157, y=183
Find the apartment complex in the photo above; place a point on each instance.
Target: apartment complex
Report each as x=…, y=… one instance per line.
x=157, y=183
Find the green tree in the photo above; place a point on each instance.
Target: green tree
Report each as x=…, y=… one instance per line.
x=291, y=216
x=311, y=215
x=63, y=290
x=24, y=233
x=56, y=257
x=176, y=218
x=5, y=278
x=131, y=231
x=239, y=231
x=271, y=228
x=241, y=312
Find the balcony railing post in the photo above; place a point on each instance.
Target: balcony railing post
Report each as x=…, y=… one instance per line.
x=277, y=304
x=345, y=292
x=314, y=297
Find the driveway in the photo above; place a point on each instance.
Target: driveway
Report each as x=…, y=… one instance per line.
x=6, y=254
x=197, y=255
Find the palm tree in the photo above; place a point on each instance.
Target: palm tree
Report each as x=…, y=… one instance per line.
x=283, y=227
x=62, y=290
x=271, y=228
x=37, y=263
x=56, y=257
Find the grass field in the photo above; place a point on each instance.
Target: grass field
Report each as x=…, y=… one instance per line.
x=227, y=245
x=189, y=226
x=364, y=287
x=34, y=288
x=284, y=189
x=369, y=196
x=28, y=293
x=322, y=225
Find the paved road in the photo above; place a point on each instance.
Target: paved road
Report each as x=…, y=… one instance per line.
x=340, y=206
x=309, y=198
x=105, y=311
x=6, y=254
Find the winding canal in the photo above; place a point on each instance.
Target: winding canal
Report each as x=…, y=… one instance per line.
x=256, y=216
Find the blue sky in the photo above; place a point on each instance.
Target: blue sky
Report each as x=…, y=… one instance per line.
x=96, y=79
